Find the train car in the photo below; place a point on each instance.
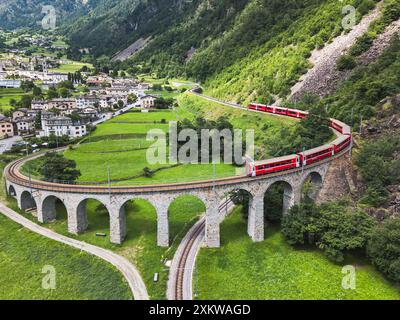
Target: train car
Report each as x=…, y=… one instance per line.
x=317, y=154
x=342, y=143
x=341, y=127
x=297, y=113
x=261, y=107
x=281, y=111
x=260, y=168
x=258, y=107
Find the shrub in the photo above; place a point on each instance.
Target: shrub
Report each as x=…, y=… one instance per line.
x=384, y=248
x=366, y=6
x=346, y=62
x=362, y=44
x=333, y=227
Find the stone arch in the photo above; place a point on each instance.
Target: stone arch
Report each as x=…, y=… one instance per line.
x=120, y=230
x=183, y=209
x=278, y=199
x=243, y=196
x=27, y=201
x=316, y=179
x=50, y=206
x=82, y=215
x=11, y=191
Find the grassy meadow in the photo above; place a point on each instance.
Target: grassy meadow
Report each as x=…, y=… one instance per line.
x=79, y=276
x=273, y=270
x=6, y=95
x=140, y=246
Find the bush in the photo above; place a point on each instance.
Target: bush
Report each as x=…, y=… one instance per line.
x=366, y=6
x=334, y=228
x=362, y=44
x=384, y=248
x=346, y=62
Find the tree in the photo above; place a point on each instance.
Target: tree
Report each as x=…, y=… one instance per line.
x=52, y=93
x=13, y=102
x=384, y=248
x=38, y=120
x=132, y=98
x=25, y=101
x=120, y=104
x=147, y=172
x=37, y=92
x=333, y=227
x=57, y=167
x=64, y=92
x=27, y=86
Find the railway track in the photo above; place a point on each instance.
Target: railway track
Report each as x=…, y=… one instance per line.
x=13, y=174
x=187, y=254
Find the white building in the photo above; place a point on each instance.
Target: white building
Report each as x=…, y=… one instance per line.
x=148, y=101
x=61, y=126
x=40, y=105
x=10, y=83
x=25, y=124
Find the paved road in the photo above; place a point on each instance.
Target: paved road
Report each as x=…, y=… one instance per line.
x=6, y=144
x=127, y=269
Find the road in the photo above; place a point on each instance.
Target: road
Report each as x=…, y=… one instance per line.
x=111, y=115
x=129, y=271
x=6, y=144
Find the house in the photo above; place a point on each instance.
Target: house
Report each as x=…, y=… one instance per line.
x=56, y=77
x=62, y=104
x=91, y=112
x=19, y=113
x=147, y=101
x=6, y=127
x=12, y=84
x=86, y=101
x=40, y=105
x=62, y=126
x=25, y=125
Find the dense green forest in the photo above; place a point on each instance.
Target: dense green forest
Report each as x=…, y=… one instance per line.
x=16, y=14
x=239, y=50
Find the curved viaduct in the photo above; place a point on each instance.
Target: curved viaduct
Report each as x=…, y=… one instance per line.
x=43, y=196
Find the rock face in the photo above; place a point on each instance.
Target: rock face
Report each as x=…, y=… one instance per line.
x=380, y=43
x=134, y=48
x=340, y=180
x=323, y=78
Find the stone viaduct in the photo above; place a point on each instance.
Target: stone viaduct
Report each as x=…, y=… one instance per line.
x=43, y=197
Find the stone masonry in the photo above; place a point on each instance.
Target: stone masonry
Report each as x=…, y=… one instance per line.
x=75, y=203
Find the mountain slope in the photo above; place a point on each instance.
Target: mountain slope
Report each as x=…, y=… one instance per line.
x=28, y=13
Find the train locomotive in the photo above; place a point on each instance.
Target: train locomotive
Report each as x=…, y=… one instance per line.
x=306, y=158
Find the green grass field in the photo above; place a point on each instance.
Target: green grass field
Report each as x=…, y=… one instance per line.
x=71, y=66
x=273, y=270
x=140, y=246
x=79, y=276
x=113, y=145
x=264, y=125
x=6, y=95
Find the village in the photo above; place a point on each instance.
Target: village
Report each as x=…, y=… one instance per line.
x=65, y=104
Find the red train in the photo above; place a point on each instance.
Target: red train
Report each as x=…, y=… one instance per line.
x=279, y=110
x=301, y=159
